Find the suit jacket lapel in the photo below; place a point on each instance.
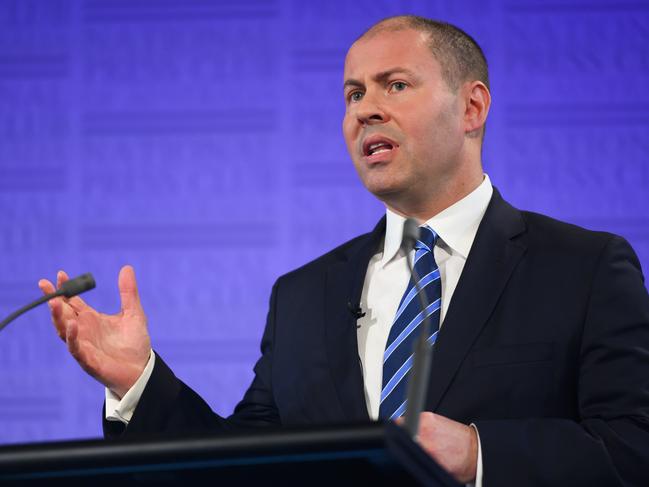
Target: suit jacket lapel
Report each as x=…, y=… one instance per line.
x=493, y=257
x=344, y=285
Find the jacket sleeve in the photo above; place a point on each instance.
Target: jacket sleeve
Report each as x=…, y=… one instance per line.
x=609, y=445
x=168, y=406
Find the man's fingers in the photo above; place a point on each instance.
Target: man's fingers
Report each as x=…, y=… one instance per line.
x=56, y=308
x=61, y=277
x=59, y=308
x=46, y=286
x=75, y=302
x=128, y=290
x=82, y=354
x=72, y=331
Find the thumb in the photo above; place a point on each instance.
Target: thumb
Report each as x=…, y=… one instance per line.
x=128, y=290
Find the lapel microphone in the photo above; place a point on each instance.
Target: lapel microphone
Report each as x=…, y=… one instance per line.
x=356, y=311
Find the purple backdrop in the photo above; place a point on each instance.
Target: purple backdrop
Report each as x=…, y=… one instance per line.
x=201, y=141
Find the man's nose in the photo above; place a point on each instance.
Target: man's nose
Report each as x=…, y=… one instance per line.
x=369, y=111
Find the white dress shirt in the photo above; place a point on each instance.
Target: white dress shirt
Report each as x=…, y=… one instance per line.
x=388, y=275
x=385, y=282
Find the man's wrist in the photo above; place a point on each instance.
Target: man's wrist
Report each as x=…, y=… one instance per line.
x=471, y=463
x=122, y=409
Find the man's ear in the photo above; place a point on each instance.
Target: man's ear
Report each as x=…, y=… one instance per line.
x=478, y=100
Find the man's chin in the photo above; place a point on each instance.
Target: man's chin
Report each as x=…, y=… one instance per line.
x=385, y=182
x=384, y=192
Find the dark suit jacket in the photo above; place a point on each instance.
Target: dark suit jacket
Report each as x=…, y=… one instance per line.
x=545, y=347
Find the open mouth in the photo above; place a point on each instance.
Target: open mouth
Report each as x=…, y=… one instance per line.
x=377, y=145
x=378, y=148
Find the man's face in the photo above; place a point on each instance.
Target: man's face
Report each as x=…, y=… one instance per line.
x=403, y=123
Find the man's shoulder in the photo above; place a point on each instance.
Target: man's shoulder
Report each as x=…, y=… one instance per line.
x=553, y=235
x=543, y=235
x=342, y=253
x=541, y=224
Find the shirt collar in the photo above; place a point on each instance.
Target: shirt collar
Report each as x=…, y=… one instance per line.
x=456, y=226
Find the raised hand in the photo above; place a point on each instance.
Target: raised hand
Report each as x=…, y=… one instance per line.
x=114, y=349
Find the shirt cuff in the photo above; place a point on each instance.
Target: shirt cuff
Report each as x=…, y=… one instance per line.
x=122, y=409
x=478, y=468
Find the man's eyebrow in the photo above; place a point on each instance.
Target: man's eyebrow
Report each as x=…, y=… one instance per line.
x=380, y=77
x=352, y=82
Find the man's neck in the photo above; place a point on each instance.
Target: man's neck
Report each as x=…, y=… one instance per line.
x=425, y=209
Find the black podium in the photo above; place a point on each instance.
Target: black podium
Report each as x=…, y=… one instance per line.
x=369, y=454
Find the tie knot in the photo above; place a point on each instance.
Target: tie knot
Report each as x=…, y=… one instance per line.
x=427, y=238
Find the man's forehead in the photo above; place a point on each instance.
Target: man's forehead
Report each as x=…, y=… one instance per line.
x=390, y=35
x=386, y=49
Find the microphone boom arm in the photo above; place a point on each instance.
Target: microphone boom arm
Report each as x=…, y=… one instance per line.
x=421, y=360
x=70, y=288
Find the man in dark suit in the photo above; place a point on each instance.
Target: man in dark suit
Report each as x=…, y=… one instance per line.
x=541, y=367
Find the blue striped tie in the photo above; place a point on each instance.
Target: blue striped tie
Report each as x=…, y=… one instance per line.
x=407, y=324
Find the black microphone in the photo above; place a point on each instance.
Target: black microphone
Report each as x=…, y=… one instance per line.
x=356, y=311
x=422, y=353
x=70, y=288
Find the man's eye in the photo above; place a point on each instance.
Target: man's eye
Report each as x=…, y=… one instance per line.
x=398, y=86
x=355, y=96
